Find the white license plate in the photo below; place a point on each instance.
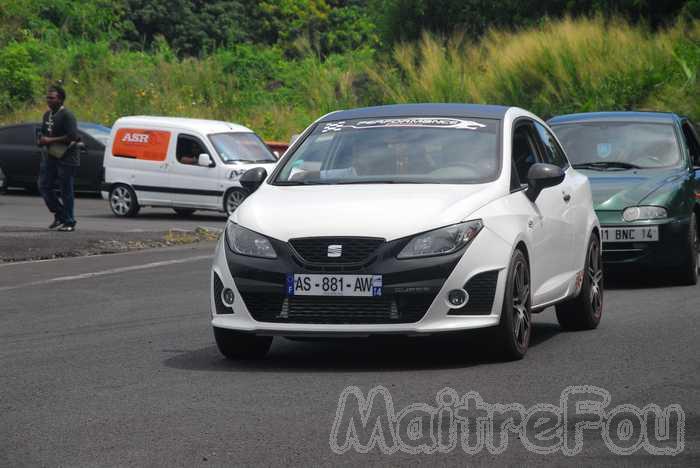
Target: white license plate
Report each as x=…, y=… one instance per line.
x=334, y=285
x=635, y=234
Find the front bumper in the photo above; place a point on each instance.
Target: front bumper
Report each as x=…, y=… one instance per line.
x=668, y=252
x=413, y=301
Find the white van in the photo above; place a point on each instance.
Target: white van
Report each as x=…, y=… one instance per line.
x=185, y=164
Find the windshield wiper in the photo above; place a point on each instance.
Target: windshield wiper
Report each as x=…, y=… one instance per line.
x=382, y=181
x=606, y=165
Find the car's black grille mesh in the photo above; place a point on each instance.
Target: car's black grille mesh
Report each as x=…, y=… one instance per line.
x=337, y=310
x=482, y=291
x=354, y=249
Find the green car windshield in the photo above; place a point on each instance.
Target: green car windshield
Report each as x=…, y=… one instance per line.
x=620, y=145
x=431, y=150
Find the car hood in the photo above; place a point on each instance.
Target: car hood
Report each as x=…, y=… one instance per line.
x=386, y=211
x=616, y=190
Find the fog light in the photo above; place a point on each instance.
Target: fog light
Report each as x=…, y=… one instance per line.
x=227, y=296
x=457, y=297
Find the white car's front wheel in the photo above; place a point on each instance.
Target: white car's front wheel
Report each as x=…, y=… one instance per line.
x=515, y=327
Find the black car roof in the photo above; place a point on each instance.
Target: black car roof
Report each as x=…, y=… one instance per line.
x=420, y=110
x=650, y=117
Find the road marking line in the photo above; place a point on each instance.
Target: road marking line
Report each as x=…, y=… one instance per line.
x=106, y=272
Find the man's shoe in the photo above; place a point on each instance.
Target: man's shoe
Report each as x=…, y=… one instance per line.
x=67, y=228
x=57, y=223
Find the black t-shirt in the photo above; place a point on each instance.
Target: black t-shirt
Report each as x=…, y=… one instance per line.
x=62, y=123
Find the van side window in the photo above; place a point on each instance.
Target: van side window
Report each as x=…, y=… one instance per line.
x=188, y=150
x=524, y=154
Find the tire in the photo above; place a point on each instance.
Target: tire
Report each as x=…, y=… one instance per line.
x=238, y=345
x=184, y=211
x=689, y=274
x=122, y=201
x=515, y=327
x=584, y=311
x=233, y=200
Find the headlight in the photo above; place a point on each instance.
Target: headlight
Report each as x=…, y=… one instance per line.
x=442, y=241
x=246, y=242
x=634, y=213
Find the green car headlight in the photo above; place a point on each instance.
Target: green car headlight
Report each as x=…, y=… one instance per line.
x=635, y=213
x=246, y=242
x=442, y=241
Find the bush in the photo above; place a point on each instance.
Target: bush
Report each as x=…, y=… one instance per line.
x=19, y=78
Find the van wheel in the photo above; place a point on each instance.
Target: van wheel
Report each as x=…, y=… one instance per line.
x=584, y=311
x=184, y=211
x=233, y=200
x=515, y=327
x=122, y=201
x=238, y=345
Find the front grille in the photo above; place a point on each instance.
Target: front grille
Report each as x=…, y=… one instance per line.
x=482, y=291
x=337, y=310
x=354, y=249
x=615, y=252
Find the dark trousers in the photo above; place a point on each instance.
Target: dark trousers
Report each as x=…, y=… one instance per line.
x=53, y=174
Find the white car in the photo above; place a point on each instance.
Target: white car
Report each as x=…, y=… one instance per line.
x=410, y=219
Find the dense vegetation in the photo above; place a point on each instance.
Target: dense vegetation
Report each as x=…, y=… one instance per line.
x=277, y=65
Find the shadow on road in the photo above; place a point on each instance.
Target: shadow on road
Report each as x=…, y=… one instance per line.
x=364, y=354
x=643, y=279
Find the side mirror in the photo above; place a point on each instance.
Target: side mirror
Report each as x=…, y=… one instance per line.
x=81, y=147
x=251, y=179
x=540, y=176
x=277, y=154
x=204, y=160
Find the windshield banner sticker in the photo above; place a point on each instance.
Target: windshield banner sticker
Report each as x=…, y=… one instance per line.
x=428, y=122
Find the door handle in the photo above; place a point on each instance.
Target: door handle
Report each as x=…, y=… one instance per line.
x=567, y=197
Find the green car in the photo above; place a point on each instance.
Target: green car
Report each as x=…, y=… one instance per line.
x=644, y=169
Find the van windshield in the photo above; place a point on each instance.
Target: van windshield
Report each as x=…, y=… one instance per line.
x=241, y=147
x=431, y=150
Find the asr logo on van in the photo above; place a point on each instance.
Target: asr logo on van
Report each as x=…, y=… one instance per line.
x=135, y=138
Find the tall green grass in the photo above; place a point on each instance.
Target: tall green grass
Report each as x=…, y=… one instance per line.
x=560, y=67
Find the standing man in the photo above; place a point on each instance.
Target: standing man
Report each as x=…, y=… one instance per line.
x=59, y=134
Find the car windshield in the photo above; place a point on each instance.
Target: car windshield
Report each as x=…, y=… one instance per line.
x=396, y=150
x=98, y=132
x=241, y=147
x=619, y=145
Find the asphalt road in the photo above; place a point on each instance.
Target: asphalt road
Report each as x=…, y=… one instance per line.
x=21, y=209
x=110, y=361
x=24, y=234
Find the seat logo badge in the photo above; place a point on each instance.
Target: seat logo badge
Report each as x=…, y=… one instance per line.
x=335, y=251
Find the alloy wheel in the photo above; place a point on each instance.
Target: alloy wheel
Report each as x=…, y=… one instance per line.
x=234, y=200
x=595, y=278
x=121, y=201
x=521, y=297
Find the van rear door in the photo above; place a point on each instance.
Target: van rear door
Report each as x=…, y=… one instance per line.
x=140, y=159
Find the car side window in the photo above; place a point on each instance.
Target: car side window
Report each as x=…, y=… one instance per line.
x=553, y=154
x=524, y=154
x=691, y=141
x=24, y=135
x=188, y=150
